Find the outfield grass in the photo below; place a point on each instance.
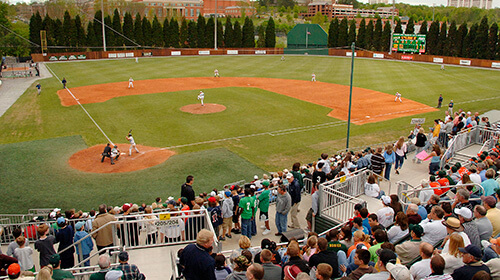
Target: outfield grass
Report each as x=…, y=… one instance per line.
x=157, y=121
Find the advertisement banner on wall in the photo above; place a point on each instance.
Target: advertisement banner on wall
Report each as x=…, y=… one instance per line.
x=72, y=57
x=111, y=55
x=175, y=53
x=349, y=54
x=82, y=56
x=495, y=64
x=130, y=54
x=407, y=57
x=232, y=51
x=378, y=55
x=260, y=52
x=204, y=52
x=437, y=60
x=147, y=54
x=464, y=62
x=53, y=58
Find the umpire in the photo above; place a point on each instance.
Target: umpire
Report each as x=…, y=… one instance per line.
x=106, y=152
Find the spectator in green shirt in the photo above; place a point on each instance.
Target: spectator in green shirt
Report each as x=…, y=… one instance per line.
x=58, y=273
x=264, y=207
x=246, y=205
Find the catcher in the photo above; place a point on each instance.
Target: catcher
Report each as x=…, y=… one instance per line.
x=115, y=154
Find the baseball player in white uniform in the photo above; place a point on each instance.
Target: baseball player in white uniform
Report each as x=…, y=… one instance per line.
x=398, y=96
x=130, y=83
x=201, y=96
x=132, y=144
x=216, y=73
x=115, y=154
x=313, y=79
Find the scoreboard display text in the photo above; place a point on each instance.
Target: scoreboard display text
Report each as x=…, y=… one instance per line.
x=409, y=43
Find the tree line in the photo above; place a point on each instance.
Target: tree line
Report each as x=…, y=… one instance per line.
x=478, y=41
x=70, y=34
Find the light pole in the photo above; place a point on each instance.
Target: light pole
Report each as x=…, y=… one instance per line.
x=350, y=95
x=215, y=43
x=103, y=29
x=392, y=25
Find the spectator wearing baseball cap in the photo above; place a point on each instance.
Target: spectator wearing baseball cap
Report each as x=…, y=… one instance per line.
x=227, y=214
x=385, y=214
x=216, y=216
x=264, y=207
x=86, y=245
x=130, y=271
x=472, y=259
x=470, y=228
x=58, y=273
x=409, y=250
x=398, y=271
x=492, y=213
x=241, y=265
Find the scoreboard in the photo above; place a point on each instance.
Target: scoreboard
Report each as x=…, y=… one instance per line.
x=410, y=43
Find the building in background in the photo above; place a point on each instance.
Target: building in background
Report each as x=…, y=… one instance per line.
x=331, y=10
x=482, y=4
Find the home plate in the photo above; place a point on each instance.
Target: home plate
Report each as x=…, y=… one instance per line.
x=367, y=117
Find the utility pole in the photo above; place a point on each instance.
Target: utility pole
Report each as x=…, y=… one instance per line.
x=350, y=95
x=103, y=29
x=215, y=43
x=392, y=25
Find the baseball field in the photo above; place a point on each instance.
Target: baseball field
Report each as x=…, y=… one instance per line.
x=269, y=116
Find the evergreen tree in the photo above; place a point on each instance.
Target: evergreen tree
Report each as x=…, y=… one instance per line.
x=91, y=39
x=57, y=27
x=398, y=29
x=360, y=41
x=98, y=28
x=117, y=26
x=410, y=27
x=452, y=38
x=442, y=40
x=458, y=45
x=237, y=36
x=343, y=33
x=261, y=33
x=481, y=42
x=220, y=34
x=247, y=35
x=468, y=47
x=80, y=32
x=369, y=35
x=128, y=29
x=35, y=28
x=492, y=41
x=69, y=32
x=192, y=34
x=386, y=37
x=201, y=25
x=352, y=33
x=138, y=35
x=377, y=35
x=110, y=35
x=183, y=36
x=423, y=28
x=210, y=33
x=228, y=33
x=433, y=38
x=270, y=34
x=157, y=33
x=166, y=33
x=174, y=31
x=333, y=33
x=147, y=32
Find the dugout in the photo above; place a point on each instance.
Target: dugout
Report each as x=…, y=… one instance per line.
x=307, y=38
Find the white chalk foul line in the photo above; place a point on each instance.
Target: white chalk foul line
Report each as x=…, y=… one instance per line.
x=83, y=108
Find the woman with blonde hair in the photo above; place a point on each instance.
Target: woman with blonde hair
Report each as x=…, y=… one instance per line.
x=311, y=248
x=400, y=151
x=45, y=273
x=453, y=258
x=243, y=244
x=359, y=237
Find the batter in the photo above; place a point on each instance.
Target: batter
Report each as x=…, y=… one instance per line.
x=132, y=144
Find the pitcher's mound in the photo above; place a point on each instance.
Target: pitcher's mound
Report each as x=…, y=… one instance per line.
x=207, y=109
x=89, y=160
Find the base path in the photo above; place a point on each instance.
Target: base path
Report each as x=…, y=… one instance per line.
x=368, y=106
x=89, y=160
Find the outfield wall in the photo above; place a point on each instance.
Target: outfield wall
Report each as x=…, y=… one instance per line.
x=261, y=51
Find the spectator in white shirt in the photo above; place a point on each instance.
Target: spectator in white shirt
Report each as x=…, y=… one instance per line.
x=422, y=268
x=385, y=214
x=434, y=230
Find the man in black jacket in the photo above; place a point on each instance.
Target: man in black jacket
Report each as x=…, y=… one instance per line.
x=196, y=259
x=325, y=256
x=106, y=152
x=294, y=190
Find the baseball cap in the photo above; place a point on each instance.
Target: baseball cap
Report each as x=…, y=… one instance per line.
x=213, y=193
x=464, y=212
x=13, y=269
x=255, y=177
x=417, y=229
x=473, y=250
x=291, y=271
x=123, y=256
x=184, y=200
x=289, y=175
x=172, y=202
x=54, y=259
x=114, y=275
x=212, y=199
x=399, y=271
x=265, y=243
x=415, y=200
x=79, y=225
x=242, y=261
x=227, y=193
x=265, y=183
x=61, y=220
x=126, y=206
x=386, y=199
